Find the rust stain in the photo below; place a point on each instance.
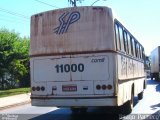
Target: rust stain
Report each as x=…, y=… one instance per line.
x=90, y=33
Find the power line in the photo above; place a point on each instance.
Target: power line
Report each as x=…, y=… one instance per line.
x=13, y=17
x=11, y=21
x=46, y=3
x=14, y=13
x=96, y=1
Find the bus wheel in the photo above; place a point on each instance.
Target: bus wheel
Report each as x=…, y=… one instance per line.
x=157, y=77
x=75, y=110
x=128, y=106
x=151, y=76
x=83, y=110
x=140, y=96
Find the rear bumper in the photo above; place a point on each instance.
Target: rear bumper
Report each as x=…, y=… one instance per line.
x=74, y=101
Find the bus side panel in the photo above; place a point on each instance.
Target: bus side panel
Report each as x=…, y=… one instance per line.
x=130, y=74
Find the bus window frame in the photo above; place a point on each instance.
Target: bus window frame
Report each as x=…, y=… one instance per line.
x=133, y=46
x=129, y=44
x=118, y=45
x=125, y=41
x=121, y=39
x=127, y=47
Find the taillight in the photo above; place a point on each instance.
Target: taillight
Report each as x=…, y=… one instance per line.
x=109, y=87
x=98, y=87
x=104, y=87
x=42, y=88
x=38, y=88
x=33, y=88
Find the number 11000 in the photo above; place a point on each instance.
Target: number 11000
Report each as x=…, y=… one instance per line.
x=69, y=68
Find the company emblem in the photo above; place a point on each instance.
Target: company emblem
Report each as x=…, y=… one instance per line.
x=66, y=19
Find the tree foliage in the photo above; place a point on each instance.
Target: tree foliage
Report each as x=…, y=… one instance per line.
x=14, y=59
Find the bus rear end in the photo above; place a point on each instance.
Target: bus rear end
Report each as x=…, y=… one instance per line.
x=73, y=58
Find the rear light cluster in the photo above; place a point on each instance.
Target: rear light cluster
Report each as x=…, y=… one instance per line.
x=103, y=87
x=38, y=88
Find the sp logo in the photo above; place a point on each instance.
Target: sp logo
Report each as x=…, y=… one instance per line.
x=66, y=19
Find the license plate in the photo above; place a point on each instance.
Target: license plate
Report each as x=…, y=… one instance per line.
x=69, y=88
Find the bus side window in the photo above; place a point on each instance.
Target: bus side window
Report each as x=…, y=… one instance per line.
x=141, y=56
x=129, y=44
x=126, y=42
x=137, y=49
x=139, y=52
x=133, y=46
x=117, y=37
x=121, y=38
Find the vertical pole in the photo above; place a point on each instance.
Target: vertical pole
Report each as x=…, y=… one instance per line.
x=75, y=3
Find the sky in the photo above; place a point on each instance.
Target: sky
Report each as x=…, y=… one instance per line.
x=140, y=17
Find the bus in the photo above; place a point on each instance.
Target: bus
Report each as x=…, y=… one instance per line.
x=84, y=57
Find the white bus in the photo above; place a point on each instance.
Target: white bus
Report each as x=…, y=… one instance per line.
x=83, y=57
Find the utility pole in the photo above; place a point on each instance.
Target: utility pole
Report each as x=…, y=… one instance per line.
x=74, y=2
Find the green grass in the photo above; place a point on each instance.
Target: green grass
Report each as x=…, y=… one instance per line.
x=6, y=93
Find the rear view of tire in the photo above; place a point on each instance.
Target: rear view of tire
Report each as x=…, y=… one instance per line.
x=74, y=110
x=82, y=110
x=128, y=106
x=140, y=96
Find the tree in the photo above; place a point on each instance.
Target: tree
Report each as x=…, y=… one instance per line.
x=13, y=58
